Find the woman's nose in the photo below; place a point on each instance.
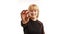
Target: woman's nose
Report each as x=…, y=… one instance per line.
x=33, y=11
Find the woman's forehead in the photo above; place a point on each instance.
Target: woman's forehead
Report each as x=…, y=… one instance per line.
x=33, y=8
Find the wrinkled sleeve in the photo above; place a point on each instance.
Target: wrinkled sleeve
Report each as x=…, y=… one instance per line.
x=24, y=25
x=42, y=29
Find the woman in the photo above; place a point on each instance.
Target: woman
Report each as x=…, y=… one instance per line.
x=30, y=22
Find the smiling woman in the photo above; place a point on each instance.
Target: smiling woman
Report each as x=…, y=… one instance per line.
x=30, y=23
x=33, y=10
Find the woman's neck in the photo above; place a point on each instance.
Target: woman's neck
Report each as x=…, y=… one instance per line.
x=34, y=19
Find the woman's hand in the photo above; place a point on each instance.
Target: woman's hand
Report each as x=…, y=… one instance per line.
x=25, y=16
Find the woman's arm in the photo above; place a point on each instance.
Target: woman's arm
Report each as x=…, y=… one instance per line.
x=24, y=25
x=24, y=17
x=42, y=29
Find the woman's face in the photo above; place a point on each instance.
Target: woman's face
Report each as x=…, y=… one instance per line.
x=33, y=13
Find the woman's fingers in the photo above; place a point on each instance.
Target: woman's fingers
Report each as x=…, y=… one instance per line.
x=24, y=15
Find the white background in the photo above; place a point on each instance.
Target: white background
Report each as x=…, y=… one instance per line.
x=10, y=15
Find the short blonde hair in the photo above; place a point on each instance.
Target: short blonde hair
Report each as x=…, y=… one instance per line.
x=34, y=7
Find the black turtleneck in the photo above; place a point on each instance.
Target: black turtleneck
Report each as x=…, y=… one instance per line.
x=33, y=27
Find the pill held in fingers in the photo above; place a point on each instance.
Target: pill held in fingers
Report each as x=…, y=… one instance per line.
x=24, y=11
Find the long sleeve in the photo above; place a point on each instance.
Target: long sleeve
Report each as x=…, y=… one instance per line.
x=42, y=29
x=23, y=25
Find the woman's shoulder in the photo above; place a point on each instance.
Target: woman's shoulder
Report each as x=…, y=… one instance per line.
x=39, y=22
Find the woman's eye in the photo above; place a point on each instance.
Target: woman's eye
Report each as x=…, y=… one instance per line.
x=33, y=11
